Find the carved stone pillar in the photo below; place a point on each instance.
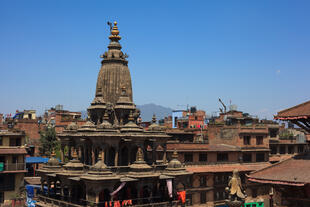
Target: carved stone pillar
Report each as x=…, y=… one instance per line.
x=69, y=153
x=129, y=155
x=62, y=151
x=79, y=153
x=97, y=197
x=102, y=155
x=165, y=154
x=154, y=153
x=116, y=157
x=93, y=155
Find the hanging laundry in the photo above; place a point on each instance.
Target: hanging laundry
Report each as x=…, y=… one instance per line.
x=169, y=186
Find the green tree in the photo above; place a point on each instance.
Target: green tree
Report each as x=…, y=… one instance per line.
x=48, y=141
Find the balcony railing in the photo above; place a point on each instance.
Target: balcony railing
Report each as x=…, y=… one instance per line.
x=63, y=201
x=13, y=167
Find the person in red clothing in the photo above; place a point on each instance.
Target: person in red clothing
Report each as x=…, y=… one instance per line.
x=182, y=196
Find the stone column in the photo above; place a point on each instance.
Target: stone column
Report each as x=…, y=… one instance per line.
x=93, y=155
x=278, y=149
x=165, y=154
x=129, y=155
x=62, y=193
x=79, y=153
x=62, y=151
x=48, y=187
x=154, y=154
x=116, y=157
x=69, y=153
x=97, y=197
x=102, y=154
x=85, y=155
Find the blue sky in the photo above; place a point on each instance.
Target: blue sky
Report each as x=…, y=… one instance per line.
x=254, y=53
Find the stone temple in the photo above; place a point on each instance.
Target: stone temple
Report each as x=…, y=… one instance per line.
x=110, y=160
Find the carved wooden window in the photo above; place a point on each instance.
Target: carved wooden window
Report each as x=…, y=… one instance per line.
x=203, y=157
x=259, y=140
x=247, y=140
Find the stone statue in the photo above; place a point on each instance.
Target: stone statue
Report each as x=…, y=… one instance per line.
x=139, y=156
x=236, y=194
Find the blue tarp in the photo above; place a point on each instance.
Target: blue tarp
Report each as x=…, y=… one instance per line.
x=30, y=160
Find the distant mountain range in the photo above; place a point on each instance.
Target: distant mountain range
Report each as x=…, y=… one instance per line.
x=147, y=111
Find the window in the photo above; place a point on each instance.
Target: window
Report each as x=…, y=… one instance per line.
x=188, y=157
x=203, y=181
x=222, y=157
x=15, y=142
x=203, y=197
x=300, y=149
x=273, y=133
x=247, y=140
x=247, y=157
x=220, y=195
x=259, y=140
x=14, y=159
x=260, y=157
x=175, y=122
x=203, y=157
x=18, y=142
x=290, y=149
x=7, y=182
x=273, y=150
x=1, y=138
x=254, y=192
x=282, y=149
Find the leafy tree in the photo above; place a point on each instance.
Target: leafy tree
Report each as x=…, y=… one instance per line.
x=48, y=141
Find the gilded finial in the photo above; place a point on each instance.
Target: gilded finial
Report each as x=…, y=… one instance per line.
x=130, y=117
x=74, y=156
x=175, y=154
x=99, y=156
x=114, y=32
x=154, y=119
x=106, y=116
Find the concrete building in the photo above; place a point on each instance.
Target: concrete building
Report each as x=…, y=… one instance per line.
x=12, y=164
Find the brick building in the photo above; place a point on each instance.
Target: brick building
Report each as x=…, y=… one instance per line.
x=60, y=118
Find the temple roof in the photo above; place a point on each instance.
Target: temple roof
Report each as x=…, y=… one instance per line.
x=201, y=147
x=227, y=167
x=301, y=111
x=294, y=171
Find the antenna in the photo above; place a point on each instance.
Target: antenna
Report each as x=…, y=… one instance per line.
x=223, y=105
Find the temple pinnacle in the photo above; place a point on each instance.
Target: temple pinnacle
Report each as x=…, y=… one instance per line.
x=114, y=33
